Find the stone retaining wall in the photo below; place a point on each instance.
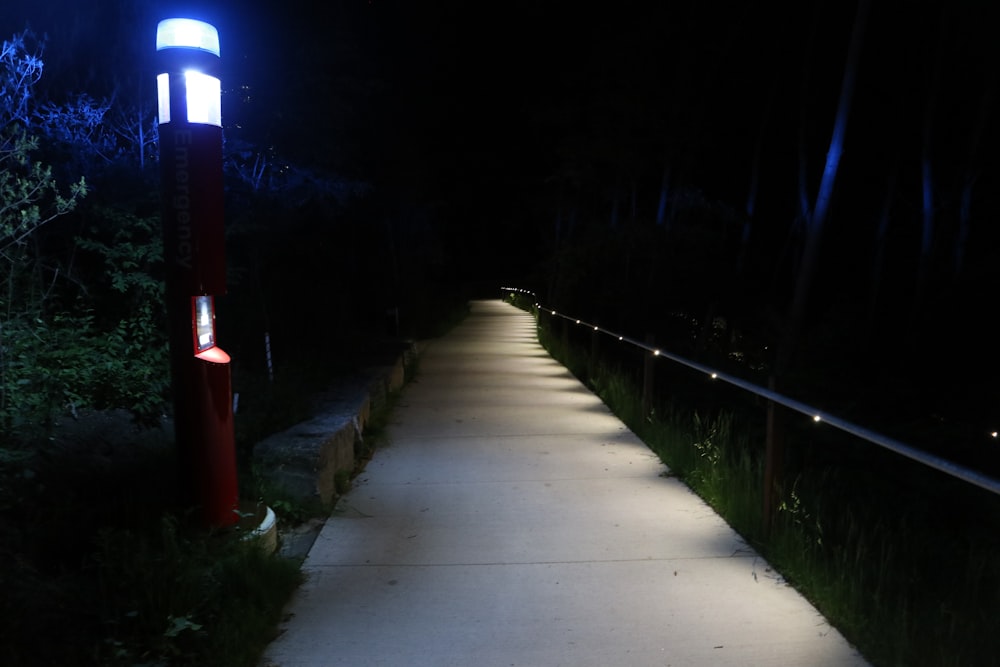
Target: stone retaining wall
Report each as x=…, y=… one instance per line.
x=306, y=459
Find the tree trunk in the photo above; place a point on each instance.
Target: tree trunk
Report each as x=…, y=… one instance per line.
x=817, y=218
x=969, y=177
x=881, y=235
x=927, y=192
x=662, y=219
x=751, y=203
x=774, y=461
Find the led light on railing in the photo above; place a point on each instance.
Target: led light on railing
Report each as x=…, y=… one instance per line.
x=715, y=375
x=817, y=418
x=993, y=434
x=621, y=338
x=656, y=353
x=596, y=329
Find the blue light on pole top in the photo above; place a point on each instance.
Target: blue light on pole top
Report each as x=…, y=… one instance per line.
x=187, y=33
x=191, y=47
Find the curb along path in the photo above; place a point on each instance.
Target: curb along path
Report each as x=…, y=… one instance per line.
x=513, y=520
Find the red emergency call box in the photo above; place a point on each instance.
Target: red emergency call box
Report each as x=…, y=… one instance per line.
x=190, y=132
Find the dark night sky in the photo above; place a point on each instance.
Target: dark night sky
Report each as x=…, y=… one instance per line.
x=495, y=86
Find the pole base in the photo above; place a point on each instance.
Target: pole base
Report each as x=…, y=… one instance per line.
x=258, y=523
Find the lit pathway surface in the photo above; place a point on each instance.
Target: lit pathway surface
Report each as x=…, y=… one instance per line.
x=513, y=520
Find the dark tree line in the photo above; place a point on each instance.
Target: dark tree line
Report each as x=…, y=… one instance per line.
x=689, y=178
x=656, y=167
x=82, y=323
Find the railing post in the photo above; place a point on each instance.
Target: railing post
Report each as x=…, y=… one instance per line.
x=595, y=338
x=774, y=457
x=647, y=378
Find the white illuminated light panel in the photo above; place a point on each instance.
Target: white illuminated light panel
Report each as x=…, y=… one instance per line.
x=204, y=94
x=163, y=97
x=187, y=33
x=206, y=334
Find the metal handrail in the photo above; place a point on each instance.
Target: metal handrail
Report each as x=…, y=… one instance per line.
x=951, y=468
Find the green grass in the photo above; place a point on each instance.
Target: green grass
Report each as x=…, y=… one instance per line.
x=114, y=575
x=100, y=566
x=904, y=561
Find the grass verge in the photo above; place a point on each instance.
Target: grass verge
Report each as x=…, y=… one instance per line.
x=94, y=551
x=904, y=561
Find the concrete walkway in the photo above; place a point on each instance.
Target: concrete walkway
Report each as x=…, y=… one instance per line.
x=512, y=520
